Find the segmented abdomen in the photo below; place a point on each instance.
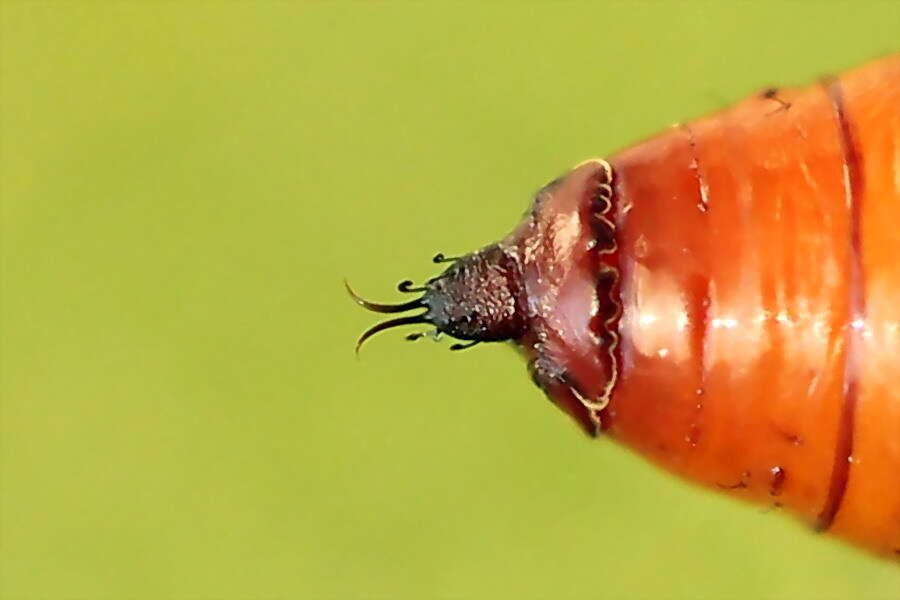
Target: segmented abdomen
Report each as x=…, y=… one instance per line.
x=760, y=284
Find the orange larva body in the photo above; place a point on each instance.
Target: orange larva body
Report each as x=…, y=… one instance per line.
x=760, y=333
x=724, y=298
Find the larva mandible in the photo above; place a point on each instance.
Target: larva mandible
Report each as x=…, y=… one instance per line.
x=724, y=298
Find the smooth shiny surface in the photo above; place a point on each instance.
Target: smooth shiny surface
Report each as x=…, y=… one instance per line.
x=871, y=509
x=560, y=259
x=737, y=290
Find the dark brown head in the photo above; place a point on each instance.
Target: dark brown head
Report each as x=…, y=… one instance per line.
x=478, y=298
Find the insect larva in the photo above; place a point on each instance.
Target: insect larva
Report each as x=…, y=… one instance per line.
x=724, y=298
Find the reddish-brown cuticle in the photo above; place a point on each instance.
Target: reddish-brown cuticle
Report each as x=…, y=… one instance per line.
x=739, y=485
x=568, y=256
x=721, y=298
x=778, y=475
x=734, y=262
x=791, y=438
x=854, y=191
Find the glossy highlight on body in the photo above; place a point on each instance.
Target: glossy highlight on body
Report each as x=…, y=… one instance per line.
x=722, y=299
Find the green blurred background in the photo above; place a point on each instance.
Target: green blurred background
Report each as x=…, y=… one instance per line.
x=184, y=186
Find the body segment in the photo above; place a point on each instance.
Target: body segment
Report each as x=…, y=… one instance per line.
x=724, y=298
x=762, y=300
